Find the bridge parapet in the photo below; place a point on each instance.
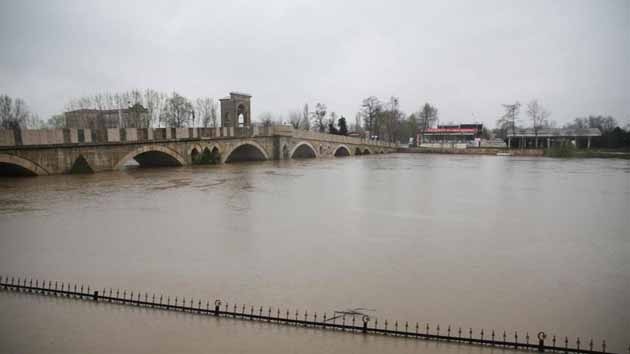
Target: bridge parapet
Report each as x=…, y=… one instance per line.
x=284, y=130
x=56, y=137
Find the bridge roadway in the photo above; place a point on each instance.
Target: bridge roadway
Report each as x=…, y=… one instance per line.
x=62, y=151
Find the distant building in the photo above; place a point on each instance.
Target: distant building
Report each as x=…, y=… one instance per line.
x=134, y=117
x=459, y=133
x=528, y=138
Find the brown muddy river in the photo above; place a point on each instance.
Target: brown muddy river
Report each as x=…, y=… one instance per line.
x=511, y=243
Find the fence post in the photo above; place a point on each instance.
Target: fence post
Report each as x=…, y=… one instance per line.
x=366, y=319
x=217, y=304
x=96, y=295
x=541, y=341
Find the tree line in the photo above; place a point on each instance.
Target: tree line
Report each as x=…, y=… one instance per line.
x=381, y=119
x=613, y=135
x=164, y=110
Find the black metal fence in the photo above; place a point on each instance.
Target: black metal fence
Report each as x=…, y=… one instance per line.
x=362, y=324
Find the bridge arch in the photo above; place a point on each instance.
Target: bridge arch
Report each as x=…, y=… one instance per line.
x=341, y=150
x=11, y=165
x=303, y=150
x=194, y=152
x=367, y=151
x=248, y=150
x=357, y=151
x=152, y=155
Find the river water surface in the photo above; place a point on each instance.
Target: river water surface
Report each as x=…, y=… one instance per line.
x=524, y=244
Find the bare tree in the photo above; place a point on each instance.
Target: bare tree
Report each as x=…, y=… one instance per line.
x=295, y=119
x=391, y=119
x=510, y=117
x=206, y=111
x=370, y=109
x=538, y=114
x=425, y=118
x=178, y=111
x=154, y=102
x=14, y=114
x=319, y=117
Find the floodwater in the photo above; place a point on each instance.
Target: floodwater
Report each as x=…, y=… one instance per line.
x=503, y=243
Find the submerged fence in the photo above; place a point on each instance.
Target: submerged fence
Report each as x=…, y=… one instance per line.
x=361, y=324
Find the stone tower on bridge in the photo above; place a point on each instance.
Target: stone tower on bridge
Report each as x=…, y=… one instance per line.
x=236, y=110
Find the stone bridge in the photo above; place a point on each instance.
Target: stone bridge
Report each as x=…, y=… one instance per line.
x=60, y=151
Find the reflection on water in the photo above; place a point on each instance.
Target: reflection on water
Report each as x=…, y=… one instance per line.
x=509, y=244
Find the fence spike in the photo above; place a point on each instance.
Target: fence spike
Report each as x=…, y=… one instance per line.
x=168, y=301
x=482, y=334
x=578, y=342
x=324, y=317
x=296, y=314
x=376, y=323
x=315, y=317
x=416, y=328
x=459, y=332
x=448, y=330
x=504, y=336
x=553, y=340
x=353, y=321
x=566, y=342
x=396, y=326
x=385, y=324
x=226, y=306
x=278, y=313
x=260, y=311
x=427, y=328
x=305, y=315
x=590, y=345
x=438, y=329
x=493, y=335
x=269, y=312
x=406, y=326
x=175, y=300
x=604, y=345
x=470, y=333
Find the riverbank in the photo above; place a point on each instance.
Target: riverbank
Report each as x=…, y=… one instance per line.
x=554, y=152
x=572, y=152
x=473, y=151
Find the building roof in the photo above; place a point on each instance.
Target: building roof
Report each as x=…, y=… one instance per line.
x=556, y=132
x=460, y=131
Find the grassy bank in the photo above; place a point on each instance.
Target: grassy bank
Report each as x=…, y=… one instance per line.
x=570, y=151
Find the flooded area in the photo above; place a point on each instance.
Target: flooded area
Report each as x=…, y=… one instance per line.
x=503, y=243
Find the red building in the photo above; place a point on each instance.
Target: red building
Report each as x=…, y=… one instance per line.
x=461, y=133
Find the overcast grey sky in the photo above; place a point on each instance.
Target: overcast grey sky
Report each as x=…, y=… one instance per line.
x=465, y=57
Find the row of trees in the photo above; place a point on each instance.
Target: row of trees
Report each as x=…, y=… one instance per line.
x=172, y=110
x=383, y=120
x=536, y=113
x=613, y=136
x=14, y=114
